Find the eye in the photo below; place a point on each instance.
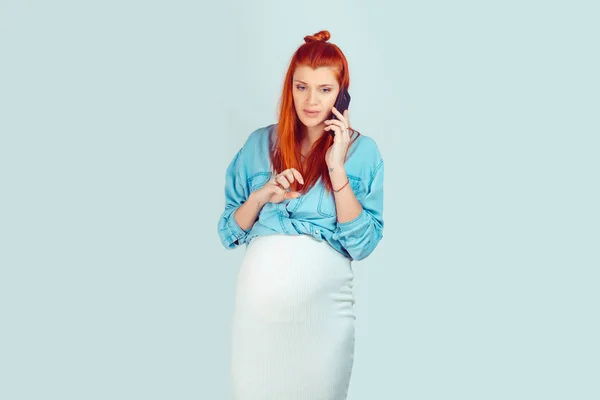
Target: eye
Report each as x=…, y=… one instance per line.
x=327, y=90
x=300, y=87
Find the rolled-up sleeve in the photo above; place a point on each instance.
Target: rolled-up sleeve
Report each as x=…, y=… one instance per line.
x=236, y=193
x=361, y=235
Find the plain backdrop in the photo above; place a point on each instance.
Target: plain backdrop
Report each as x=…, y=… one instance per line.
x=118, y=119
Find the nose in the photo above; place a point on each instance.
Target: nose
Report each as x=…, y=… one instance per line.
x=312, y=97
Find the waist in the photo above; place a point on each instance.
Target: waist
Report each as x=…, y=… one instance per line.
x=298, y=247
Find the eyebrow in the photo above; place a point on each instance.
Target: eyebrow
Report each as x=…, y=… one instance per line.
x=325, y=84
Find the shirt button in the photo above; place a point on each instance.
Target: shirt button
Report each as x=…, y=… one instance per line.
x=317, y=231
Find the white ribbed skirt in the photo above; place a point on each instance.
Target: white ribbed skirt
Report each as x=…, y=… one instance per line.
x=293, y=323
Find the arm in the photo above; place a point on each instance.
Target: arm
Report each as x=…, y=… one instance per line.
x=241, y=209
x=247, y=214
x=347, y=205
x=360, y=224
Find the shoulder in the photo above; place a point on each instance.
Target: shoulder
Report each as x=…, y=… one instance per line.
x=365, y=151
x=259, y=138
x=363, y=160
x=255, y=151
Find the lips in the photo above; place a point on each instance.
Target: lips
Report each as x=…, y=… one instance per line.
x=311, y=113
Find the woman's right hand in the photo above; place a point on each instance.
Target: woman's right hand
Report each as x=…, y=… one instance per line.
x=276, y=189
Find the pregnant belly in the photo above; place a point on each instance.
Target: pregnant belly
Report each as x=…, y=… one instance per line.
x=292, y=278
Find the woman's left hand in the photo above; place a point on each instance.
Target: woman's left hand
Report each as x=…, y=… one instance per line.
x=336, y=154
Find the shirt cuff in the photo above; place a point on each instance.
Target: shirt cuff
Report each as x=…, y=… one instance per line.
x=348, y=225
x=234, y=228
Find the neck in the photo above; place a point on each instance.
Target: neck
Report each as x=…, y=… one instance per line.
x=312, y=134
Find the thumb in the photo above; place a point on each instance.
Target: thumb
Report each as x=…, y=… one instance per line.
x=291, y=195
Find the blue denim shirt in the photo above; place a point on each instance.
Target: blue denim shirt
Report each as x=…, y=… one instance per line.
x=313, y=213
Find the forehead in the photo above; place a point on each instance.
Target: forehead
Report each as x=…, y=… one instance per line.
x=319, y=76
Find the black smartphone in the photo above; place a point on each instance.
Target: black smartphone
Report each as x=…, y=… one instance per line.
x=341, y=104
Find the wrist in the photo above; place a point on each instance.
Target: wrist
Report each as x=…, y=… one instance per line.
x=256, y=203
x=341, y=187
x=336, y=169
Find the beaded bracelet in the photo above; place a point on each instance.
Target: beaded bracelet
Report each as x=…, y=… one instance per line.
x=348, y=181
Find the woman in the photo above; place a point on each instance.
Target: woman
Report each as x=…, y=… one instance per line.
x=306, y=203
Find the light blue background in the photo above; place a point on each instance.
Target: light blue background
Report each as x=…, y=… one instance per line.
x=118, y=119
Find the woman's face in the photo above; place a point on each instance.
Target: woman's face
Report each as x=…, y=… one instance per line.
x=314, y=90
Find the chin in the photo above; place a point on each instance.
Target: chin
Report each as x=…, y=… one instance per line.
x=311, y=122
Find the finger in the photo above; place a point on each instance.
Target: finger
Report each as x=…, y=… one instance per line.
x=346, y=115
x=280, y=192
x=293, y=174
x=281, y=180
x=337, y=130
x=346, y=133
x=341, y=124
x=339, y=115
x=297, y=175
x=276, y=180
x=289, y=175
x=291, y=195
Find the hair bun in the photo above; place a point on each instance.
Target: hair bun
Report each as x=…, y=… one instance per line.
x=321, y=36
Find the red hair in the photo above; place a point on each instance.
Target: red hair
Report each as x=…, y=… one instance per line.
x=315, y=52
